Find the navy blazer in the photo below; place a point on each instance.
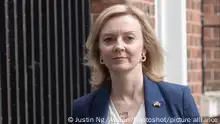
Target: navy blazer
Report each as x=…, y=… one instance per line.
x=177, y=105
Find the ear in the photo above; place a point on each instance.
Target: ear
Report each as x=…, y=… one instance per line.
x=144, y=51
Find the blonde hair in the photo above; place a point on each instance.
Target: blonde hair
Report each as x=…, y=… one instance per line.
x=152, y=67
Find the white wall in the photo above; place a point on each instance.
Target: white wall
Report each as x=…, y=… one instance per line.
x=171, y=30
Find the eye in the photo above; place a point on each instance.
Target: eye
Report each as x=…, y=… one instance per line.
x=129, y=38
x=108, y=39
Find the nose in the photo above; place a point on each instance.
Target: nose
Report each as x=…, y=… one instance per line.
x=119, y=46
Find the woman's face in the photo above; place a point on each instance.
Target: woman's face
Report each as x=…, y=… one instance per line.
x=121, y=43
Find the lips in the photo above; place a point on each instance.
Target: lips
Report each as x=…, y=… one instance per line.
x=119, y=57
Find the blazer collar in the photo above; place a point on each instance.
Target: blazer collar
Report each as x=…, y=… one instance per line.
x=152, y=94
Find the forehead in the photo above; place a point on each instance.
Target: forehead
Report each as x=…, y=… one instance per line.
x=122, y=23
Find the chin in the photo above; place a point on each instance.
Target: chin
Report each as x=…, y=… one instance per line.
x=120, y=68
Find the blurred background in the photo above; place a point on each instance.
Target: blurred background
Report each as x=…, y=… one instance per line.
x=41, y=53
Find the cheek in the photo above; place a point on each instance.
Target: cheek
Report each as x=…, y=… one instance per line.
x=135, y=49
x=105, y=52
x=135, y=56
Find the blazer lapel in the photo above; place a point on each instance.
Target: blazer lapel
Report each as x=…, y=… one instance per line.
x=153, y=94
x=99, y=108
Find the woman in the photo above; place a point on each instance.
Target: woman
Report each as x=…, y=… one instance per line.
x=127, y=75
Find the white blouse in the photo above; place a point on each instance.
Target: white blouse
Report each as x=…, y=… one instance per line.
x=114, y=118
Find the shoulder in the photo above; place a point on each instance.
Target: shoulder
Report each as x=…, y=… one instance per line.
x=81, y=105
x=181, y=97
x=172, y=89
x=85, y=99
x=175, y=93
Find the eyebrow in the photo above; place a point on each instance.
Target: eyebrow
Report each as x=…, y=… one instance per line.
x=113, y=33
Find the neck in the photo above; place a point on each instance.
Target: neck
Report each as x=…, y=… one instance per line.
x=127, y=85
